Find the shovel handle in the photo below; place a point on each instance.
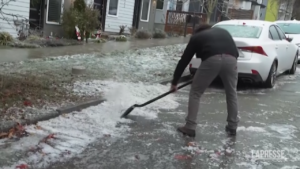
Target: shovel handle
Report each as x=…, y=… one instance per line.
x=163, y=95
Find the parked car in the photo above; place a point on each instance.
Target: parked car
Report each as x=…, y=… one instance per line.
x=264, y=51
x=291, y=29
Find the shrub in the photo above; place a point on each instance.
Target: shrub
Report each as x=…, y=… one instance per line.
x=142, y=34
x=132, y=30
x=122, y=29
x=69, y=23
x=86, y=18
x=79, y=5
x=101, y=40
x=121, y=38
x=159, y=34
x=33, y=37
x=5, y=38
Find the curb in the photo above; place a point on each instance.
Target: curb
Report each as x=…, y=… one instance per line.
x=6, y=126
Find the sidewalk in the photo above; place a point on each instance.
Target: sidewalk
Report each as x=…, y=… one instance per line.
x=17, y=54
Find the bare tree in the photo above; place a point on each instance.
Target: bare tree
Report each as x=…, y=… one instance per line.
x=209, y=6
x=18, y=22
x=296, y=11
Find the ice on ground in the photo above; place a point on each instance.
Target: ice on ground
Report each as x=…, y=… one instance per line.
x=285, y=131
x=147, y=64
x=251, y=128
x=73, y=132
x=290, y=167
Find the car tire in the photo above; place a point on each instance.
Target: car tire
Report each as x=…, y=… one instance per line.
x=294, y=66
x=271, y=80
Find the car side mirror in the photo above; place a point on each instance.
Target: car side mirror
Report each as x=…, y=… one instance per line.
x=289, y=39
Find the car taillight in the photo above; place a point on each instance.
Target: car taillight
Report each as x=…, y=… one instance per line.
x=254, y=49
x=190, y=65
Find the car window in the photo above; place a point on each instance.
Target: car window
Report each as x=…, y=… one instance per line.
x=281, y=34
x=242, y=31
x=290, y=28
x=274, y=33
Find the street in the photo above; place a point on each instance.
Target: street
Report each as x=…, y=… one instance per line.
x=269, y=120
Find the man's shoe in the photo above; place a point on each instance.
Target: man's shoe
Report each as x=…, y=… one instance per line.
x=186, y=131
x=231, y=132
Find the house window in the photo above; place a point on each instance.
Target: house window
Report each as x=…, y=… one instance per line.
x=179, y=6
x=160, y=4
x=54, y=11
x=145, y=10
x=113, y=7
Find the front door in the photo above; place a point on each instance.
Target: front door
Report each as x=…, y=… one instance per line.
x=136, y=14
x=36, y=15
x=101, y=6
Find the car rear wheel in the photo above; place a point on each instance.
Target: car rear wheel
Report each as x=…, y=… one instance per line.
x=294, y=66
x=271, y=80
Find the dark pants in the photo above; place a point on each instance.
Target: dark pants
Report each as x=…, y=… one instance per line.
x=226, y=67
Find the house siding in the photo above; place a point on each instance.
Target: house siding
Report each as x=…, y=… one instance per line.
x=20, y=8
x=125, y=16
x=150, y=24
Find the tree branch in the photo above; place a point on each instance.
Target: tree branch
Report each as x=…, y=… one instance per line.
x=16, y=21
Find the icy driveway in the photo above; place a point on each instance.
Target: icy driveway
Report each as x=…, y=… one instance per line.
x=148, y=64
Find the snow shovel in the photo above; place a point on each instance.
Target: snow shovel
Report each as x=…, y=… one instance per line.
x=152, y=100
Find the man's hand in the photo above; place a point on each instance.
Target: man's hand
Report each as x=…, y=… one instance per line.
x=173, y=87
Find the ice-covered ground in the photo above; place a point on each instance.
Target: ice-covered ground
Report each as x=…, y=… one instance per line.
x=136, y=65
x=73, y=132
x=147, y=64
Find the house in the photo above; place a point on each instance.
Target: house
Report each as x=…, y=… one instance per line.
x=114, y=13
x=263, y=10
x=14, y=17
x=144, y=14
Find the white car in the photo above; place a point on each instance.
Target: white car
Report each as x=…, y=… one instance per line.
x=264, y=51
x=291, y=29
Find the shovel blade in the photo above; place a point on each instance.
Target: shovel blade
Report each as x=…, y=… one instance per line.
x=129, y=110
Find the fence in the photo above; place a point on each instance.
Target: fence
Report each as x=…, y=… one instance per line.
x=240, y=14
x=176, y=21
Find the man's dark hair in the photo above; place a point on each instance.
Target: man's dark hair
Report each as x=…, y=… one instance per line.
x=202, y=27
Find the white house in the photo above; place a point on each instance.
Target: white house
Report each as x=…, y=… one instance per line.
x=118, y=12
x=14, y=16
